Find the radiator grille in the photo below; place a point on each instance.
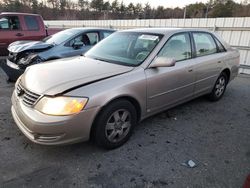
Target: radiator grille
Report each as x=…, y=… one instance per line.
x=29, y=98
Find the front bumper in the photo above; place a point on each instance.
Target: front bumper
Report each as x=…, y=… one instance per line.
x=12, y=70
x=52, y=130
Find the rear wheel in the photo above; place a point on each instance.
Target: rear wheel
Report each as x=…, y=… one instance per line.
x=219, y=87
x=115, y=124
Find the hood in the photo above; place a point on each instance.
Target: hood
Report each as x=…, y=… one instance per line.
x=20, y=46
x=58, y=76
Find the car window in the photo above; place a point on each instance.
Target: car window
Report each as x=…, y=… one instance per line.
x=4, y=23
x=93, y=38
x=220, y=46
x=10, y=23
x=106, y=33
x=144, y=44
x=204, y=44
x=177, y=47
x=121, y=43
x=31, y=22
x=86, y=38
x=77, y=39
x=61, y=36
x=126, y=48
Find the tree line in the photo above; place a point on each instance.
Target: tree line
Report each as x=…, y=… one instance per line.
x=101, y=9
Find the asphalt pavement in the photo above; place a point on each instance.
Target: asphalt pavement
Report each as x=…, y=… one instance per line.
x=214, y=135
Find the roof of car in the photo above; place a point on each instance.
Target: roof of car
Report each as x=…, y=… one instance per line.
x=91, y=29
x=162, y=30
x=18, y=13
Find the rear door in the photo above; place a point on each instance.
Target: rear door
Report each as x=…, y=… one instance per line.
x=34, y=27
x=167, y=86
x=10, y=31
x=208, y=62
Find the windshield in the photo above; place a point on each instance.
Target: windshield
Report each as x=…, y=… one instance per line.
x=126, y=48
x=61, y=36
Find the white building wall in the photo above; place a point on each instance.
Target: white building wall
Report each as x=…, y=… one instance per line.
x=236, y=31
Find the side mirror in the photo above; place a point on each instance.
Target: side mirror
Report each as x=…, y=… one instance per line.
x=162, y=62
x=77, y=44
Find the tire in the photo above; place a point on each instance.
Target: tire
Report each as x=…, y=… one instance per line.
x=114, y=124
x=219, y=87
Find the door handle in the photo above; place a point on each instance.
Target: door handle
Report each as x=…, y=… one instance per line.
x=19, y=34
x=219, y=62
x=190, y=70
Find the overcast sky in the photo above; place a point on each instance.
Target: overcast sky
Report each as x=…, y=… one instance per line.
x=166, y=3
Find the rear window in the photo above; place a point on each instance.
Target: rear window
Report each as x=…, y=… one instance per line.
x=31, y=22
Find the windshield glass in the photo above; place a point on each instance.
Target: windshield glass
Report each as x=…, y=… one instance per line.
x=61, y=36
x=126, y=48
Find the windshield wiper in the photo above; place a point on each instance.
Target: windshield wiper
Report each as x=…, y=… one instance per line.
x=100, y=59
x=111, y=61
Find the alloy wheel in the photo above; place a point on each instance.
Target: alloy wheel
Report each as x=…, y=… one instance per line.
x=220, y=86
x=118, y=125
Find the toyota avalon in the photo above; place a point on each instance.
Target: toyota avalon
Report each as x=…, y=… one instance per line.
x=124, y=79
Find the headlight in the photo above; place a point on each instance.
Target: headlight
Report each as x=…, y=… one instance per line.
x=27, y=59
x=61, y=106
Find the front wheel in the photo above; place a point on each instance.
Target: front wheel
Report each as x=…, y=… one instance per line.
x=115, y=124
x=219, y=87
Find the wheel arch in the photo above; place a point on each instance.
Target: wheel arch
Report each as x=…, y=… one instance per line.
x=227, y=72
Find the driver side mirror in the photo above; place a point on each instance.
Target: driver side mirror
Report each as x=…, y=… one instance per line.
x=77, y=44
x=162, y=62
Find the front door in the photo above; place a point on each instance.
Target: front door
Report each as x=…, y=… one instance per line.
x=89, y=39
x=167, y=86
x=10, y=31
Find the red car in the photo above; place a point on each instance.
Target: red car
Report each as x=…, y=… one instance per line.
x=21, y=26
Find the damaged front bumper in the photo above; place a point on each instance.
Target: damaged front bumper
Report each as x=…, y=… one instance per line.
x=12, y=70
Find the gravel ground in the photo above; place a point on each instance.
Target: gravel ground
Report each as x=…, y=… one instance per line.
x=216, y=136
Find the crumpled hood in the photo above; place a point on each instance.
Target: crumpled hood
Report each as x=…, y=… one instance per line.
x=20, y=46
x=60, y=75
